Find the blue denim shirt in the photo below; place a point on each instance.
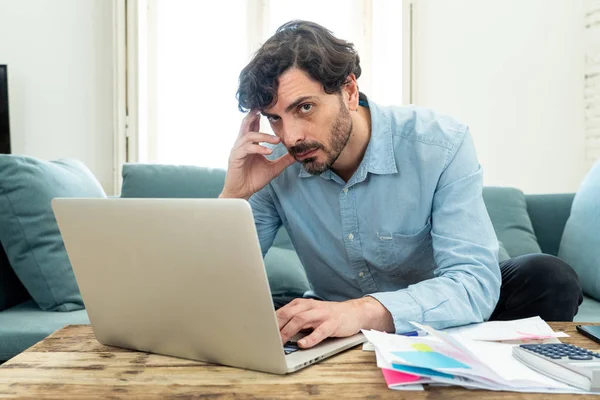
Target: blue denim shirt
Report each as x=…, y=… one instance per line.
x=409, y=228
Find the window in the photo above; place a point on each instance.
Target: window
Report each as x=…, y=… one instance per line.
x=190, y=56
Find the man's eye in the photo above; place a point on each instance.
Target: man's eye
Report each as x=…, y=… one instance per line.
x=306, y=108
x=273, y=119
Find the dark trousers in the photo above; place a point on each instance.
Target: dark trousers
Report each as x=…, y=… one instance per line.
x=532, y=285
x=538, y=284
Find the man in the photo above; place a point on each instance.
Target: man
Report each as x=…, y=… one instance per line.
x=382, y=204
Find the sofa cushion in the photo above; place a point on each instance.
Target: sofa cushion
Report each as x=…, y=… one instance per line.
x=580, y=244
x=589, y=311
x=12, y=291
x=508, y=211
x=171, y=181
x=502, y=253
x=285, y=273
x=24, y=325
x=30, y=234
x=549, y=214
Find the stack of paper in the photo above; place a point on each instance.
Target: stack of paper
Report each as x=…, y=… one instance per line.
x=457, y=359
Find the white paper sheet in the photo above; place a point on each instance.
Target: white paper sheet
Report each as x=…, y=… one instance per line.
x=503, y=331
x=526, y=329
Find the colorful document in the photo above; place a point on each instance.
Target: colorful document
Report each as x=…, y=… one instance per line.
x=451, y=359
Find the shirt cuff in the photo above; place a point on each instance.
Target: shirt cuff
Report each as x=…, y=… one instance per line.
x=403, y=308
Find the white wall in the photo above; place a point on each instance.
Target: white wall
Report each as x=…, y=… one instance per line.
x=512, y=70
x=592, y=81
x=60, y=67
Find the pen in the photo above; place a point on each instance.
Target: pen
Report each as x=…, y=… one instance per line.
x=414, y=333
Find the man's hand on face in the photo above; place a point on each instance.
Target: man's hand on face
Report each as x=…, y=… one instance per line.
x=331, y=319
x=249, y=170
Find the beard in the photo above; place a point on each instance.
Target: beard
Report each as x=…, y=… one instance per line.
x=340, y=134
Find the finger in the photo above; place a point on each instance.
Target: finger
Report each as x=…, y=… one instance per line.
x=248, y=122
x=251, y=148
x=322, y=332
x=243, y=152
x=282, y=163
x=255, y=125
x=287, y=312
x=258, y=137
x=303, y=320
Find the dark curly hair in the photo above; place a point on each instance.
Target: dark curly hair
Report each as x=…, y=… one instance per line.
x=302, y=44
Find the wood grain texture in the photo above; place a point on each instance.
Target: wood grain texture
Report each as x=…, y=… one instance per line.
x=71, y=363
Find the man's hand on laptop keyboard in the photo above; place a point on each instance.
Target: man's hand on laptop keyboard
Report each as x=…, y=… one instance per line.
x=331, y=319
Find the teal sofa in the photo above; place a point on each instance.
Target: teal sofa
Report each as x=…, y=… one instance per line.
x=25, y=324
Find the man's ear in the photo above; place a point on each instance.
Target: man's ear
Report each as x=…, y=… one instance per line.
x=350, y=90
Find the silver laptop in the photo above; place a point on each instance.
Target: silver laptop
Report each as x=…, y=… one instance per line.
x=179, y=277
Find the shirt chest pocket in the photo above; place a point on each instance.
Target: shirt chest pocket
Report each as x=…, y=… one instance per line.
x=395, y=249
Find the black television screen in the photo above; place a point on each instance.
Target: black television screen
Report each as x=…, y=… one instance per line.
x=4, y=120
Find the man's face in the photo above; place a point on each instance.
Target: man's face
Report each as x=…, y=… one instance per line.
x=313, y=125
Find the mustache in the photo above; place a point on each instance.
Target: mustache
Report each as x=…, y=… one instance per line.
x=304, y=147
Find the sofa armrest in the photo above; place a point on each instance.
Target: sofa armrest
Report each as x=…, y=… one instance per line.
x=549, y=214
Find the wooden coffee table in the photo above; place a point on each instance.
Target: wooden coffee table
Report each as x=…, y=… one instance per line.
x=71, y=363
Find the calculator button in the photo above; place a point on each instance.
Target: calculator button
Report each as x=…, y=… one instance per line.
x=578, y=357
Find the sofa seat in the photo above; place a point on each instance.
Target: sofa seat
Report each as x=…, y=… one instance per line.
x=589, y=311
x=26, y=324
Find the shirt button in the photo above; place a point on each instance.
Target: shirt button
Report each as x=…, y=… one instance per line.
x=351, y=236
x=345, y=190
x=361, y=274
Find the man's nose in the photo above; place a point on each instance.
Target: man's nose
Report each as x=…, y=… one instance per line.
x=293, y=134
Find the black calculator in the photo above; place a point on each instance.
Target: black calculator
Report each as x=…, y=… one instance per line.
x=563, y=362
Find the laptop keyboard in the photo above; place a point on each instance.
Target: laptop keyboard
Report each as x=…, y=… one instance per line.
x=290, y=347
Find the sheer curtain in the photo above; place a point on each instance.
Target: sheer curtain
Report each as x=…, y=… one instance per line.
x=195, y=53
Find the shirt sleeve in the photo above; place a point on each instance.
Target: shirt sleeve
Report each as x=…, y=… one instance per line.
x=466, y=286
x=266, y=218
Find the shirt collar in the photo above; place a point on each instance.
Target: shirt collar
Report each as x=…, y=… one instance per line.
x=379, y=157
